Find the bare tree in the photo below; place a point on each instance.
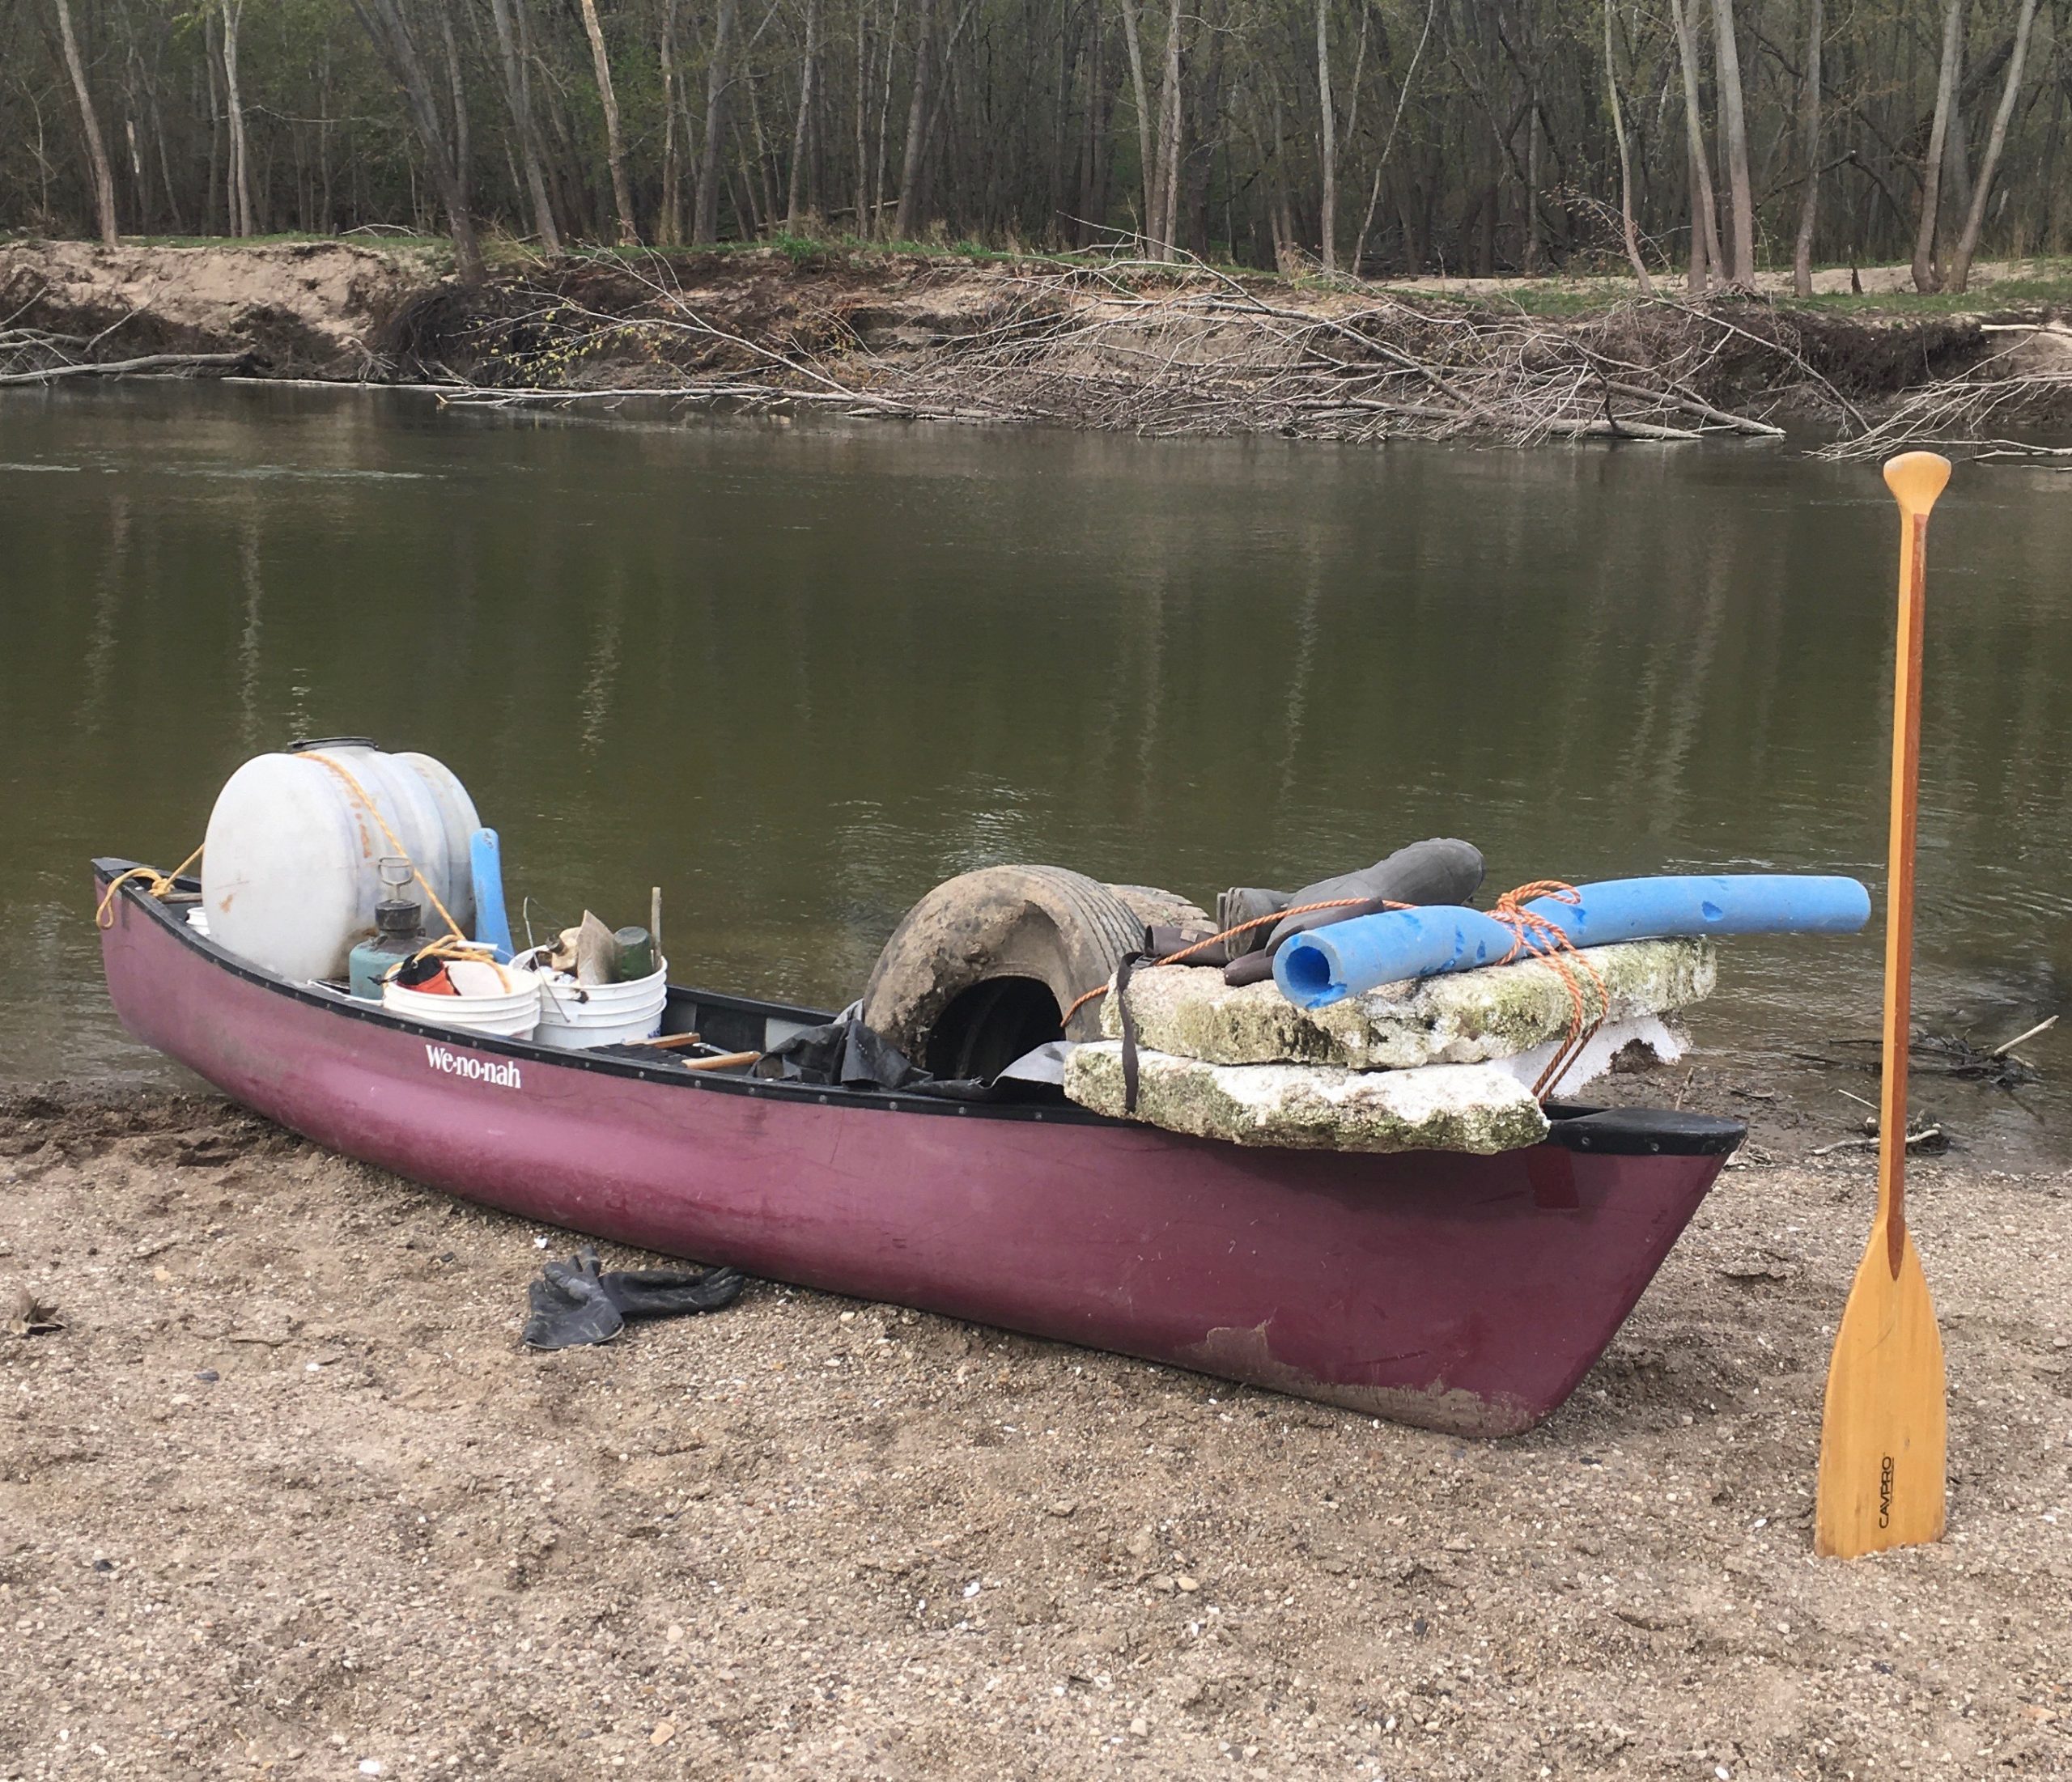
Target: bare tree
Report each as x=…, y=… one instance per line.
x=1809, y=129
x=1165, y=192
x=242, y=221
x=794, y=213
x=1327, y=140
x=719, y=76
x=1625, y=162
x=1960, y=263
x=390, y=34
x=518, y=96
x=1733, y=132
x=1146, y=164
x=1925, y=277
x=628, y=231
x=905, y=220
x=90, y=123
x=1705, y=257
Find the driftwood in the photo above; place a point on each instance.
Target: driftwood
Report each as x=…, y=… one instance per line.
x=1966, y=416
x=151, y=364
x=1154, y=349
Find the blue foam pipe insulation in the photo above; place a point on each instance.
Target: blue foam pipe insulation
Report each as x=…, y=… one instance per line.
x=492, y=926
x=1349, y=958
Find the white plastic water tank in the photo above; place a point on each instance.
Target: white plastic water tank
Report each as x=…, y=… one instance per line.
x=291, y=863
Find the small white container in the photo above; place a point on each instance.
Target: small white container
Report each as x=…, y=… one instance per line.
x=511, y=1014
x=575, y=1017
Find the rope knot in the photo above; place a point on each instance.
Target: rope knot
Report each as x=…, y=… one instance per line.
x=1542, y=938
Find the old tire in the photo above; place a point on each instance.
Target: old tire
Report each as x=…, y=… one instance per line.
x=983, y=968
x=1156, y=908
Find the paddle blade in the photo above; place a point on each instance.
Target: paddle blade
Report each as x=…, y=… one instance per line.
x=1883, y=1432
x=1916, y=478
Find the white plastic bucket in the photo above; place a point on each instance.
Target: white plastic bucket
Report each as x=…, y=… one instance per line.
x=512, y=1014
x=575, y=1017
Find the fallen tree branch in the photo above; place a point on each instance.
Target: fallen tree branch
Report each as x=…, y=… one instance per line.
x=124, y=368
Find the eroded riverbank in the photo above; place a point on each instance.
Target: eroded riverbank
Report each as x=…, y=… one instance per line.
x=1147, y=350
x=284, y=1492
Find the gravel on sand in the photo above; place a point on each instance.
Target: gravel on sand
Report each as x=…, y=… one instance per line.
x=283, y=1497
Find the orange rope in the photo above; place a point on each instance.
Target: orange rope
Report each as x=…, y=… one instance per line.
x=1534, y=935
x=1210, y=940
x=402, y=853
x=1542, y=939
x=161, y=885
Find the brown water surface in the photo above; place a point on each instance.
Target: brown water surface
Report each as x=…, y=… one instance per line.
x=797, y=675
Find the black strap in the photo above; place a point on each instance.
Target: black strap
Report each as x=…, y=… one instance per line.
x=1123, y=967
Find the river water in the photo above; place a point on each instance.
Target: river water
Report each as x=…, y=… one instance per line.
x=796, y=675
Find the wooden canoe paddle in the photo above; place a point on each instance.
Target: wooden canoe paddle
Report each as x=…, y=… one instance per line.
x=1882, y=1432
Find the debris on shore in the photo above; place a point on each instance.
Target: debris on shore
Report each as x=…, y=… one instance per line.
x=1150, y=348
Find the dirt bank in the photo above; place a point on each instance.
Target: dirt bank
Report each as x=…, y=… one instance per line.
x=299, y=309
x=1146, y=350
x=283, y=1498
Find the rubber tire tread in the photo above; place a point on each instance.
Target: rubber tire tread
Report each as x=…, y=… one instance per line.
x=909, y=989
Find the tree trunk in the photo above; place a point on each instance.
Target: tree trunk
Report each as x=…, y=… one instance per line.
x=1809, y=113
x=1625, y=161
x=669, y=222
x=628, y=231
x=862, y=134
x=1327, y=140
x=462, y=159
x=1165, y=192
x=1925, y=277
x=212, y=58
x=240, y=177
x=1733, y=135
x=383, y=23
x=794, y=215
x=1706, y=259
x=905, y=220
x=1960, y=265
x=518, y=96
x=719, y=76
x=1147, y=176
x=103, y=180
x=884, y=125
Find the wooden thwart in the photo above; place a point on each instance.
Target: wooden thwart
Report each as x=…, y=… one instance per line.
x=1884, y=1431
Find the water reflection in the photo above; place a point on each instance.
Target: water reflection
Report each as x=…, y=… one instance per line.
x=797, y=676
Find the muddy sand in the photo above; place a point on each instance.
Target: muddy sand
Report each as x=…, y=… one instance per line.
x=284, y=1498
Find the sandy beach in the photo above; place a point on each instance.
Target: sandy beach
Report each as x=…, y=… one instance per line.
x=284, y=1497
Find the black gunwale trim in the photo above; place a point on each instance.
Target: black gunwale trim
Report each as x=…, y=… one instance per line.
x=1687, y=1135
x=1642, y=1132
x=813, y=1095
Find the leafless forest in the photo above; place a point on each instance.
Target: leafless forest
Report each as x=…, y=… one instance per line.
x=1694, y=140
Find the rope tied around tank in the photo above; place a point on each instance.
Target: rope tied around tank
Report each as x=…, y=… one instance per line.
x=161, y=885
x=1541, y=938
x=452, y=945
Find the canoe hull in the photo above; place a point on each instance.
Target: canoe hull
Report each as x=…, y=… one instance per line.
x=1461, y=1293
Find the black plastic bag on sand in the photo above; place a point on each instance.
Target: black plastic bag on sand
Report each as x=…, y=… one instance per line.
x=574, y=1303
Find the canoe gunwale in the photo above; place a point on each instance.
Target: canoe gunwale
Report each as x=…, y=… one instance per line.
x=1578, y=1127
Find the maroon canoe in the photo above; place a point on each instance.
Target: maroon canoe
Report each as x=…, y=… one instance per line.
x=1466, y=1294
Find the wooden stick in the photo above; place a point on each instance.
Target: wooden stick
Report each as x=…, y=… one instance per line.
x=124, y=367
x=668, y=1043
x=725, y=1062
x=2040, y=1027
